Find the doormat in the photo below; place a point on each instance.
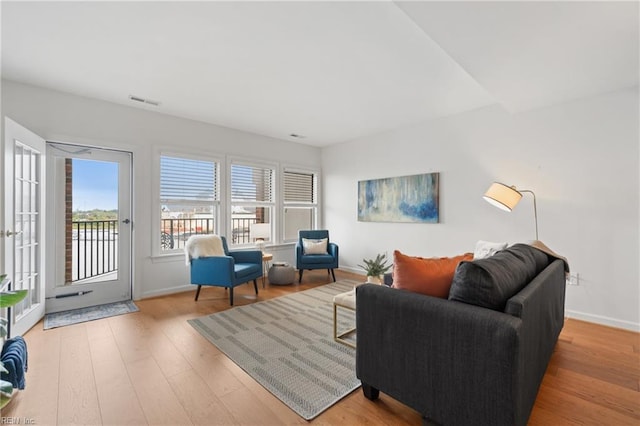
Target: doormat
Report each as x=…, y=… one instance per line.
x=76, y=316
x=286, y=344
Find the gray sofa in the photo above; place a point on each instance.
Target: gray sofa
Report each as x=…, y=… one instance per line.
x=475, y=359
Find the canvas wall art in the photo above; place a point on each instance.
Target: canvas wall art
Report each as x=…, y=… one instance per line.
x=399, y=199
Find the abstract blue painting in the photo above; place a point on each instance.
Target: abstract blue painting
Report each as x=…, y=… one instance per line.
x=399, y=199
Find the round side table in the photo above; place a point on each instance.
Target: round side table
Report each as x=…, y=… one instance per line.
x=266, y=264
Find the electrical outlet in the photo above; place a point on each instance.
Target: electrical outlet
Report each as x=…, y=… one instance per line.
x=574, y=279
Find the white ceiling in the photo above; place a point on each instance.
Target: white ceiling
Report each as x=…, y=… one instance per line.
x=330, y=71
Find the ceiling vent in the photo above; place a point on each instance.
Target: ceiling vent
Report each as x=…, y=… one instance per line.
x=143, y=100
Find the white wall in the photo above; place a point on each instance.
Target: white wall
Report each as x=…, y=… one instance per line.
x=580, y=158
x=63, y=117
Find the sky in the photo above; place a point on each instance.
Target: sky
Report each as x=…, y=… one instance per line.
x=95, y=185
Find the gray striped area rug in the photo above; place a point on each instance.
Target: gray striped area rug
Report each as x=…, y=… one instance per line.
x=286, y=344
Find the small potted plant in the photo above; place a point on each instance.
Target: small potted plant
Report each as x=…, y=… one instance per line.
x=375, y=268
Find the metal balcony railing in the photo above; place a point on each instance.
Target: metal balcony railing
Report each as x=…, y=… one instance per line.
x=95, y=242
x=176, y=232
x=94, y=248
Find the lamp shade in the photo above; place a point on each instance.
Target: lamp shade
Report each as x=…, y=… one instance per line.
x=502, y=196
x=260, y=231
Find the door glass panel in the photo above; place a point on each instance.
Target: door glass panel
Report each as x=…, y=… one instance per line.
x=92, y=192
x=26, y=206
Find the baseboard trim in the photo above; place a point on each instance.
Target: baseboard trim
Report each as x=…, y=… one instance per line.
x=169, y=290
x=602, y=320
x=353, y=270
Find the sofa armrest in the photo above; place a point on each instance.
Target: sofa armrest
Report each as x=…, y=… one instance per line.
x=217, y=270
x=247, y=256
x=540, y=305
x=432, y=354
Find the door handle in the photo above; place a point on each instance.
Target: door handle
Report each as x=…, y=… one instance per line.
x=9, y=233
x=127, y=221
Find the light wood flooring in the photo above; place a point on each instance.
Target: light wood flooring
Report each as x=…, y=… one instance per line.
x=151, y=367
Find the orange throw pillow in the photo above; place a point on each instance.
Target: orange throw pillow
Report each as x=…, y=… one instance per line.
x=432, y=276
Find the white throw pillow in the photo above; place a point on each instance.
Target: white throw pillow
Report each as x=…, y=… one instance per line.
x=311, y=246
x=486, y=249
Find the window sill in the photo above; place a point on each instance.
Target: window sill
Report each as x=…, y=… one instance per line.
x=179, y=256
x=167, y=257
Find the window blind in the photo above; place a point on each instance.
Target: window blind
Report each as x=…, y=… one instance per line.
x=183, y=179
x=249, y=183
x=299, y=187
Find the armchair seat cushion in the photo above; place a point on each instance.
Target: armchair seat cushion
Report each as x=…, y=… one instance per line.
x=314, y=259
x=246, y=269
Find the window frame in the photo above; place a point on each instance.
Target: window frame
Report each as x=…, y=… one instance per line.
x=224, y=203
x=218, y=211
x=271, y=205
x=314, y=206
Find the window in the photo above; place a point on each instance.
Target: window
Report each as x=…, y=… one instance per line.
x=252, y=200
x=300, y=202
x=189, y=200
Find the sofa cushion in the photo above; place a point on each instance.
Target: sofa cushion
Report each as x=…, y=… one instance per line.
x=427, y=276
x=492, y=281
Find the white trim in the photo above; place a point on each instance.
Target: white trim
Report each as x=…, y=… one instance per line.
x=602, y=320
x=172, y=256
x=353, y=270
x=167, y=290
x=251, y=161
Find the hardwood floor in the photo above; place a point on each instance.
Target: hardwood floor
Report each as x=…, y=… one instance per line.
x=151, y=367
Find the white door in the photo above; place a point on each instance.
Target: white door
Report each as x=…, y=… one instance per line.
x=89, y=200
x=24, y=209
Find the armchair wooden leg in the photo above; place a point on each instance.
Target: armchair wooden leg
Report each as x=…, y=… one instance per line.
x=255, y=285
x=230, y=295
x=333, y=274
x=300, y=276
x=198, y=292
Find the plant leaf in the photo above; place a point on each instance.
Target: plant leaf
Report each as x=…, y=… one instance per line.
x=6, y=387
x=4, y=399
x=3, y=327
x=10, y=298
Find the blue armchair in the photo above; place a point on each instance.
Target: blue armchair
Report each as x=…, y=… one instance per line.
x=237, y=267
x=328, y=260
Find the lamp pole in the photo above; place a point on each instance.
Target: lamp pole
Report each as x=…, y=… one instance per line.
x=535, y=208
